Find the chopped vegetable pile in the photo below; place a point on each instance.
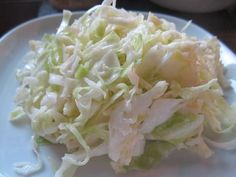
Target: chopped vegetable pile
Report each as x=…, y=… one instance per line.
x=116, y=83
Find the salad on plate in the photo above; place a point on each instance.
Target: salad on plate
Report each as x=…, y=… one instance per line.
x=121, y=84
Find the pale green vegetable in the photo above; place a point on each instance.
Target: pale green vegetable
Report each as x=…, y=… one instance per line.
x=153, y=153
x=18, y=113
x=178, y=128
x=116, y=83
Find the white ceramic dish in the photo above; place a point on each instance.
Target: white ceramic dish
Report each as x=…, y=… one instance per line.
x=15, y=143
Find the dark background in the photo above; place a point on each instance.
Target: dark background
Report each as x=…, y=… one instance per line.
x=221, y=23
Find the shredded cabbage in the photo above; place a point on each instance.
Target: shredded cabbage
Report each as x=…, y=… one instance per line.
x=116, y=83
x=27, y=168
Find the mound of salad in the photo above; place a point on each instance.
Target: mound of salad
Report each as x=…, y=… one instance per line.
x=120, y=84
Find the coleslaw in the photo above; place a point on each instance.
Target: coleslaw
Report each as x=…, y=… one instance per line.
x=120, y=84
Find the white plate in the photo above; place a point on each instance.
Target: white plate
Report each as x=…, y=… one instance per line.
x=15, y=143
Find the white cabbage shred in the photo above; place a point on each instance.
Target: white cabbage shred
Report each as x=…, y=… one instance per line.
x=27, y=168
x=116, y=83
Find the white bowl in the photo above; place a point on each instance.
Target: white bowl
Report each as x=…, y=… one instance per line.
x=196, y=6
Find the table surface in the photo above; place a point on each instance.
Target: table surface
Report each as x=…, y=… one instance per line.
x=221, y=24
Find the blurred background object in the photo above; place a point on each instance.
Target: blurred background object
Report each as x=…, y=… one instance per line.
x=13, y=12
x=195, y=6
x=73, y=4
x=220, y=23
